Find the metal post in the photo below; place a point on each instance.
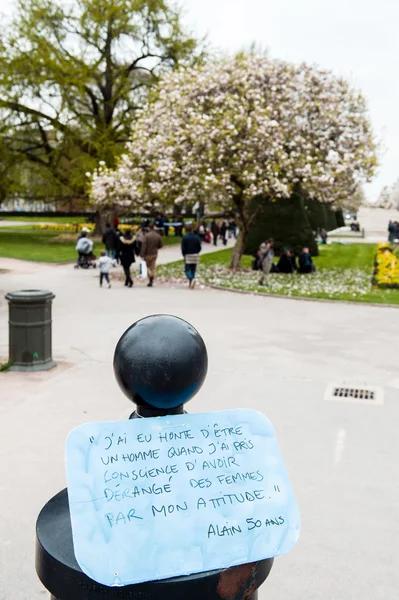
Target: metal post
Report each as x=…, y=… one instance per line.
x=30, y=336
x=158, y=388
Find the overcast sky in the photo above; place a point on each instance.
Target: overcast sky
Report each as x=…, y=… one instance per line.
x=355, y=38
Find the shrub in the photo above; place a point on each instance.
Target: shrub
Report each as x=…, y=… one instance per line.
x=286, y=222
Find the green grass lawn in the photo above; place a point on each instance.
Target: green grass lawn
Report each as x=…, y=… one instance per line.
x=171, y=240
x=338, y=256
x=25, y=243
x=345, y=256
x=43, y=246
x=343, y=273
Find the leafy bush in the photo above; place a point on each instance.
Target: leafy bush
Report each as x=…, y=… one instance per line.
x=286, y=222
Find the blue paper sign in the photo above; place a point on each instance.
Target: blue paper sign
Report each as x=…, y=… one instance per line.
x=162, y=497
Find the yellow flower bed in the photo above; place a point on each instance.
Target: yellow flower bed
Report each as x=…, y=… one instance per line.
x=386, y=273
x=69, y=227
x=123, y=228
x=77, y=227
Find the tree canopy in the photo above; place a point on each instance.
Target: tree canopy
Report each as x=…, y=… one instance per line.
x=242, y=127
x=73, y=74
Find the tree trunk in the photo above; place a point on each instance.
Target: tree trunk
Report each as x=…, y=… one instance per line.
x=103, y=216
x=98, y=223
x=238, y=249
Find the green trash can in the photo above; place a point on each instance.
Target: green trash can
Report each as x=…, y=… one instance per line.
x=30, y=338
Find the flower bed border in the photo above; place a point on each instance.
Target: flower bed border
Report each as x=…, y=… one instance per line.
x=381, y=249
x=300, y=298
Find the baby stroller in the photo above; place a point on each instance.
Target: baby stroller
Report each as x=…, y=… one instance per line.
x=85, y=261
x=86, y=258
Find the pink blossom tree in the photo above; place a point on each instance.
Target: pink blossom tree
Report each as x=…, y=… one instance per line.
x=247, y=126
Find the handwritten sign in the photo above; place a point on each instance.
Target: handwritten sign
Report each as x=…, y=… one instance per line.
x=162, y=497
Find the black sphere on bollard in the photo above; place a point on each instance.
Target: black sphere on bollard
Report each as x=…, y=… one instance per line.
x=160, y=363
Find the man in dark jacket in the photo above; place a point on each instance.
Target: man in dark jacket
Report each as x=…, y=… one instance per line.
x=110, y=241
x=190, y=247
x=152, y=242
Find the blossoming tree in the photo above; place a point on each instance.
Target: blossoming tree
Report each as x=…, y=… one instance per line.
x=243, y=127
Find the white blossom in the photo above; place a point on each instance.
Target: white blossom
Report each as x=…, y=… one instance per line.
x=244, y=126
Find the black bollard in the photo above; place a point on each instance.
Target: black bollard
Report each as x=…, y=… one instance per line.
x=160, y=363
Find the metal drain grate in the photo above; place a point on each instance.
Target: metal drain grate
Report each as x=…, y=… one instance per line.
x=361, y=394
x=356, y=393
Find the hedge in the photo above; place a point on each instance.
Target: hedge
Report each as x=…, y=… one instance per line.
x=284, y=220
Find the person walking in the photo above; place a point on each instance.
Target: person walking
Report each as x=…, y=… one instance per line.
x=223, y=232
x=191, y=248
x=266, y=255
x=215, y=232
x=152, y=242
x=393, y=229
x=201, y=232
x=117, y=242
x=104, y=263
x=139, y=240
x=110, y=241
x=127, y=255
x=165, y=226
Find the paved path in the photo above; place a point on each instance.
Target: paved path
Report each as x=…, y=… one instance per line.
x=375, y=223
x=269, y=354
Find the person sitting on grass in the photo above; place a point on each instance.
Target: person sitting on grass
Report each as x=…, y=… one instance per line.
x=287, y=262
x=305, y=262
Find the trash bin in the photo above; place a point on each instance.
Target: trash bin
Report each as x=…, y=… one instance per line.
x=30, y=343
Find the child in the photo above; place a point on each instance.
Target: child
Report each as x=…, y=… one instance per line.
x=104, y=264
